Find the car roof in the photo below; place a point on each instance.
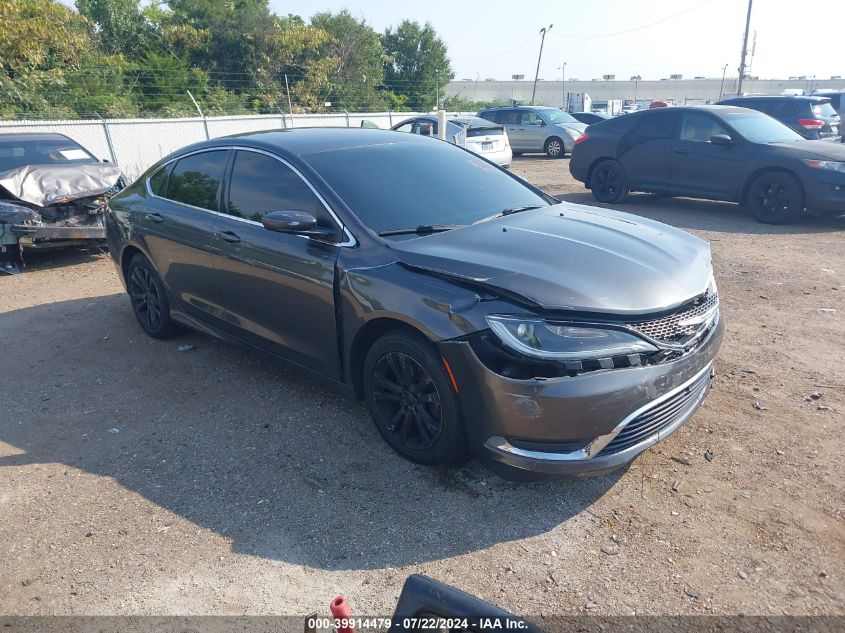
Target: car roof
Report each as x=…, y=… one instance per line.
x=715, y=109
x=302, y=141
x=809, y=98
x=34, y=136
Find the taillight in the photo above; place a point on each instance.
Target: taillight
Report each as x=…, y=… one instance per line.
x=582, y=138
x=811, y=124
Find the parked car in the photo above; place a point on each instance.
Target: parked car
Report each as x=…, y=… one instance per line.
x=478, y=135
x=812, y=117
x=837, y=101
x=53, y=193
x=406, y=270
x=716, y=152
x=537, y=129
x=588, y=118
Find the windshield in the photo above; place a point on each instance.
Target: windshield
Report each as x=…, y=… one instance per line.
x=761, y=128
x=16, y=153
x=558, y=116
x=405, y=185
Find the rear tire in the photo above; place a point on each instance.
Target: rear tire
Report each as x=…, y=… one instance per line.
x=412, y=401
x=149, y=299
x=554, y=148
x=608, y=182
x=775, y=198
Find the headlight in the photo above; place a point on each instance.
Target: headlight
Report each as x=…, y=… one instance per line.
x=573, y=134
x=552, y=341
x=829, y=165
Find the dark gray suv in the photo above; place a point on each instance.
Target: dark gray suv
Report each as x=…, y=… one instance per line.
x=537, y=129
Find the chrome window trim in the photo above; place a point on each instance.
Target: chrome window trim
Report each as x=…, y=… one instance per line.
x=500, y=444
x=349, y=240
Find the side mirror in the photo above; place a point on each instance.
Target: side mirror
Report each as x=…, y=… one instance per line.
x=296, y=222
x=721, y=139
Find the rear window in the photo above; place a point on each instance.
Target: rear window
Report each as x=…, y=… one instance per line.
x=18, y=153
x=493, y=130
x=824, y=110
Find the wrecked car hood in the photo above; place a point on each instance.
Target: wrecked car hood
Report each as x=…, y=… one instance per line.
x=44, y=185
x=571, y=257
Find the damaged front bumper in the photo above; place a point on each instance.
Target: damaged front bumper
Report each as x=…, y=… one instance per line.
x=577, y=425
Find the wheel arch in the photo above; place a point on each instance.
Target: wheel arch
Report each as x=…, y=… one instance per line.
x=129, y=251
x=593, y=165
x=743, y=196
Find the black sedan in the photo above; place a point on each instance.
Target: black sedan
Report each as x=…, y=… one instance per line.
x=715, y=152
x=471, y=311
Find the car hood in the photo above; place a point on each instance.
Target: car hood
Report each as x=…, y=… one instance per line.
x=44, y=185
x=822, y=150
x=571, y=257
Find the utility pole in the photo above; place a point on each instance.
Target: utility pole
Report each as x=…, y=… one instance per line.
x=539, y=57
x=744, y=51
x=722, y=87
x=636, y=79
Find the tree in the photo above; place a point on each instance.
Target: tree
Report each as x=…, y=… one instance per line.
x=359, y=61
x=120, y=25
x=418, y=64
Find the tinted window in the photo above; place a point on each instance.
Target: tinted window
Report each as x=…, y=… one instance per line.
x=697, y=126
x=261, y=184
x=194, y=179
x=510, y=117
x=656, y=125
x=490, y=116
x=158, y=181
x=419, y=183
x=424, y=127
x=782, y=109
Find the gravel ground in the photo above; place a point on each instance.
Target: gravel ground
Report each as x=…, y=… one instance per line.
x=138, y=479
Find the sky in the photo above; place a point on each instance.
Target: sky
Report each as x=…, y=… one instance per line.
x=499, y=38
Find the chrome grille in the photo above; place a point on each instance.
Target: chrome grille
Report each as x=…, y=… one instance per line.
x=672, y=328
x=659, y=417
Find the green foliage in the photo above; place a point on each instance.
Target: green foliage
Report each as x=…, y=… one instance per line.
x=418, y=64
x=118, y=58
x=461, y=104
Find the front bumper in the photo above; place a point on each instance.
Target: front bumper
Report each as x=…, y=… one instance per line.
x=825, y=191
x=577, y=425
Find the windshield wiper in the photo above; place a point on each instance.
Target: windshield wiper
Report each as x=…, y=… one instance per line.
x=510, y=211
x=422, y=229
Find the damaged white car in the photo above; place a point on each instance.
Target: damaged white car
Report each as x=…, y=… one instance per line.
x=53, y=193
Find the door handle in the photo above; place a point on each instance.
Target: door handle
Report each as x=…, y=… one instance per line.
x=154, y=217
x=228, y=236
x=680, y=150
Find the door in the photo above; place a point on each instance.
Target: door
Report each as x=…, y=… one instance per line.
x=512, y=121
x=702, y=168
x=278, y=288
x=645, y=152
x=533, y=131
x=177, y=226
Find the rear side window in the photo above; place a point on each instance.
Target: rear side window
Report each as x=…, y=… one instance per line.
x=261, y=184
x=490, y=116
x=158, y=181
x=656, y=125
x=782, y=110
x=196, y=178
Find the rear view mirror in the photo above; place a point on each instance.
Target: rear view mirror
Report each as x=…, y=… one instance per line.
x=296, y=222
x=721, y=139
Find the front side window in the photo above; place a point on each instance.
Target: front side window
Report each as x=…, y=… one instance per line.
x=530, y=117
x=261, y=184
x=700, y=127
x=196, y=178
x=406, y=126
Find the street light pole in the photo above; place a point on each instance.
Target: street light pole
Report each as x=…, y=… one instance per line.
x=539, y=57
x=722, y=87
x=563, y=88
x=744, y=51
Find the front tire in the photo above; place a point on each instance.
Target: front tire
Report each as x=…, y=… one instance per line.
x=412, y=400
x=775, y=198
x=149, y=299
x=608, y=182
x=554, y=148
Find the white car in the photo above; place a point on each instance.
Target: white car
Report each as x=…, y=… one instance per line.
x=479, y=136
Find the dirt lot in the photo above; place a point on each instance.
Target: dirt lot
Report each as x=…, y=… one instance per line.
x=138, y=479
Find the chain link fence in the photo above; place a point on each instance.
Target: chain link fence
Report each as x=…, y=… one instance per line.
x=135, y=144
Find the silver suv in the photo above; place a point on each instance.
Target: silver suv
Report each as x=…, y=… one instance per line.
x=537, y=129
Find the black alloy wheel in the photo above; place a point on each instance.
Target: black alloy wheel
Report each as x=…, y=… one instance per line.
x=608, y=182
x=775, y=198
x=149, y=300
x=412, y=399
